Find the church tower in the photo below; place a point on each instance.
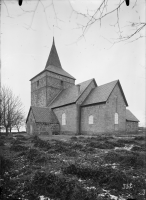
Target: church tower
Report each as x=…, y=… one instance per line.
x=46, y=85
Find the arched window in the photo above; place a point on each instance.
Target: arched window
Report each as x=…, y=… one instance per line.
x=91, y=119
x=63, y=119
x=31, y=129
x=116, y=118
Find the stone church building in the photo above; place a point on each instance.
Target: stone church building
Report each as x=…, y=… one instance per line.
x=58, y=106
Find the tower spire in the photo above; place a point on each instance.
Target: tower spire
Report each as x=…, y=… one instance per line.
x=53, y=58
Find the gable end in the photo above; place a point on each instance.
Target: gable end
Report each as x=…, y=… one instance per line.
x=118, y=82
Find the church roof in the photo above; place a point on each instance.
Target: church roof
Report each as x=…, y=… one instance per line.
x=43, y=114
x=101, y=93
x=60, y=71
x=53, y=58
x=70, y=95
x=53, y=63
x=130, y=116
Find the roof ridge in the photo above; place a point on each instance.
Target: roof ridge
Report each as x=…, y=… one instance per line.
x=127, y=116
x=109, y=82
x=84, y=81
x=84, y=89
x=53, y=58
x=40, y=107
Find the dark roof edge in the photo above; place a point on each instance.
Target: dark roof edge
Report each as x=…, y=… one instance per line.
x=37, y=74
x=118, y=82
x=93, y=104
x=87, y=87
x=29, y=113
x=45, y=70
x=132, y=120
x=63, y=105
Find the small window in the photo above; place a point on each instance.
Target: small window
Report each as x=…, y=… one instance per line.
x=37, y=83
x=91, y=119
x=116, y=118
x=63, y=119
x=61, y=83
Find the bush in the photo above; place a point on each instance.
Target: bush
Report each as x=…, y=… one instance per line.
x=5, y=164
x=140, y=138
x=57, y=188
x=126, y=141
x=137, y=148
x=74, y=138
x=17, y=147
x=104, y=175
x=126, y=159
x=100, y=145
x=40, y=143
x=32, y=154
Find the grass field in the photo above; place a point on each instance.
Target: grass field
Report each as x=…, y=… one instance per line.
x=73, y=168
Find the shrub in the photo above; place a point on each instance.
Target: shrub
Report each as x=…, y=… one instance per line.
x=104, y=175
x=140, y=138
x=5, y=164
x=100, y=145
x=57, y=188
x=126, y=159
x=40, y=143
x=32, y=154
x=17, y=147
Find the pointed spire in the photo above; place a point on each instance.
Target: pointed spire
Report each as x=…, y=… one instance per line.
x=53, y=57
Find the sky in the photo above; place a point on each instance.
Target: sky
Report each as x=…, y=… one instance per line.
x=26, y=40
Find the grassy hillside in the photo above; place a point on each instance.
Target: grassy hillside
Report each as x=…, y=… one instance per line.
x=80, y=168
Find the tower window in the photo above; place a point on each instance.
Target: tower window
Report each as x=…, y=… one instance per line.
x=61, y=83
x=37, y=83
x=116, y=118
x=63, y=119
x=91, y=119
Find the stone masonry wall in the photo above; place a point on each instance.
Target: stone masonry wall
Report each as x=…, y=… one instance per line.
x=63, y=78
x=34, y=128
x=55, y=83
x=71, y=118
x=46, y=86
x=51, y=94
x=38, y=97
x=31, y=126
x=47, y=129
x=98, y=112
x=112, y=107
x=131, y=126
x=104, y=115
x=38, y=90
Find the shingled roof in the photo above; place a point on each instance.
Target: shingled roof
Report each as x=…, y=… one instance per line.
x=130, y=116
x=53, y=64
x=43, y=114
x=70, y=95
x=101, y=93
x=53, y=58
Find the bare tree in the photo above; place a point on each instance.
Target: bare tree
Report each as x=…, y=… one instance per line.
x=19, y=120
x=11, y=112
x=102, y=9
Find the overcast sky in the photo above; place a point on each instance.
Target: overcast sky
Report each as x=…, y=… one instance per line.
x=26, y=39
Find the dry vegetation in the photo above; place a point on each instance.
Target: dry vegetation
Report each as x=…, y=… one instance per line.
x=95, y=168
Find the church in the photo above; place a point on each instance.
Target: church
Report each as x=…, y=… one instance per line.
x=59, y=106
